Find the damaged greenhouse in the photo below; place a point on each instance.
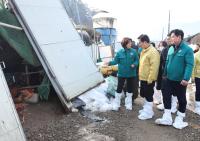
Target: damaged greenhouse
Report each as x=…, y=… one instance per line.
x=38, y=45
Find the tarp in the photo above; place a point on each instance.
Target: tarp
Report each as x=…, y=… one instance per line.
x=16, y=39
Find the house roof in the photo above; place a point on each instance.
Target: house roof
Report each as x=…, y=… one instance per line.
x=194, y=39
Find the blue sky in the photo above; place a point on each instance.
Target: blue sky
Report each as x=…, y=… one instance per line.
x=135, y=17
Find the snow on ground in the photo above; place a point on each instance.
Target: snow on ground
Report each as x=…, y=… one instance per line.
x=96, y=99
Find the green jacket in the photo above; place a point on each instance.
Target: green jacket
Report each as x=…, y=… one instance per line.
x=179, y=63
x=125, y=58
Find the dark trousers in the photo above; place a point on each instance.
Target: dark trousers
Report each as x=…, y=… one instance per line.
x=135, y=87
x=197, y=94
x=129, y=82
x=163, y=86
x=146, y=90
x=179, y=90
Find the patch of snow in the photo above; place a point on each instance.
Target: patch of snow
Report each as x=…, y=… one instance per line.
x=96, y=99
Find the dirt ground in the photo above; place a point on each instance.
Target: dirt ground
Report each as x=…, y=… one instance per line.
x=47, y=121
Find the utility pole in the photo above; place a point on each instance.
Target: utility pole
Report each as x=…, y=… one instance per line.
x=162, y=33
x=169, y=22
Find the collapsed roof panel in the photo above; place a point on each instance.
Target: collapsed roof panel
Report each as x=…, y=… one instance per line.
x=75, y=70
x=58, y=46
x=55, y=28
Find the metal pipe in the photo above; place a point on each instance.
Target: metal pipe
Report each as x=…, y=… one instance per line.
x=10, y=26
x=79, y=19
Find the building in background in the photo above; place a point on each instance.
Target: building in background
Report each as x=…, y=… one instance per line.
x=105, y=24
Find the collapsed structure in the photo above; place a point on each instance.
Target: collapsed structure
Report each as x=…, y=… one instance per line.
x=50, y=45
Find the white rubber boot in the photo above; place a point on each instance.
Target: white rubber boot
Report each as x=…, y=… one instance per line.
x=197, y=107
x=166, y=118
x=128, y=101
x=147, y=113
x=117, y=101
x=174, y=104
x=161, y=106
x=145, y=104
x=157, y=96
x=178, y=122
